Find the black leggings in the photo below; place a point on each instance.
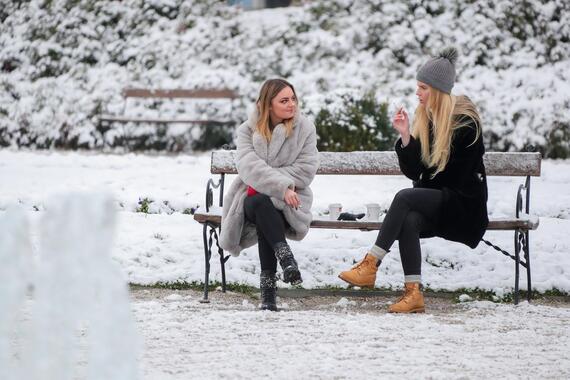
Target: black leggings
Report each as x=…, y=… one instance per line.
x=270, y=224
x=413, y=214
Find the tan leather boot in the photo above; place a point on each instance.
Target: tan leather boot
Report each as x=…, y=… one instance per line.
x=362, y=274
x=411, y=302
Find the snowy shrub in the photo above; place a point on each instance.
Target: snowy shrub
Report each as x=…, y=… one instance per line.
x=214, y=136
x=64, y=62
x=558, y=142
x=350, y=122
x=147, y=137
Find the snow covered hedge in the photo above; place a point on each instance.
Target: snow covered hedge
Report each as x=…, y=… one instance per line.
x=349, y=122
x=63, y=62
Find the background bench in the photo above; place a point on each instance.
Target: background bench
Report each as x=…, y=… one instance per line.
x=384, y=163
x=172, y=130
x=143, y=93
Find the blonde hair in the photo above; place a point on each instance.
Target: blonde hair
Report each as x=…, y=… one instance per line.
x=446, y=113
x=268, y=91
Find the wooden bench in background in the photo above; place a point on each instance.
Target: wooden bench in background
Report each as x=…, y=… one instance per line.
x=384, y=163
x=143, y=93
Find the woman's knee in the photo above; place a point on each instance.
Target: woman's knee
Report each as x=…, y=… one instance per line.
x=259, y=201
x=402, y=197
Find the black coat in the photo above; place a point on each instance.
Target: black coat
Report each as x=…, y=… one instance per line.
x=463, y=216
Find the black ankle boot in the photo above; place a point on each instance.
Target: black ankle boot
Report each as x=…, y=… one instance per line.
x=288, y=263
x=268, y=288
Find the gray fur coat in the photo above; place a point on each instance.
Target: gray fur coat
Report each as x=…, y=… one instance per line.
x=271, y=168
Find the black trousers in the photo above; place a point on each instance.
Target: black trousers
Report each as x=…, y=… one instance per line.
x=270, y=224
x=413, y=214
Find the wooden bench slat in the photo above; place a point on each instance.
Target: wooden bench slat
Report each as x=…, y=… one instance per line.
x=202, y=93
x=179, y=93
x=126, y=119
x=386, y=163
x=494, y=224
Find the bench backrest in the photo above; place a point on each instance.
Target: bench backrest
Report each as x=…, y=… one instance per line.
x=386, y=163
x=204, y=93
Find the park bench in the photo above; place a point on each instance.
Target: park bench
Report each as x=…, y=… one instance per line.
x=525, y=164
x=144, y=93
x=106, y=120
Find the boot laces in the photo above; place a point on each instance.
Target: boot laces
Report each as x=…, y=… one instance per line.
x=405, y=298
x=359, y=266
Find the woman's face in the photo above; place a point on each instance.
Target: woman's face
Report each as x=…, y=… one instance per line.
x=422, y=93
x=284, y=105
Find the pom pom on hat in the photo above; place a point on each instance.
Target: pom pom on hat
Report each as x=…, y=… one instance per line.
x=449, y=53
x=439, y=72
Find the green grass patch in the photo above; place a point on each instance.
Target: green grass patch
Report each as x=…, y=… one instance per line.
x=337, y=288
x=475, y=294
x=197, y=285
x=144, y=203
x=555, y=293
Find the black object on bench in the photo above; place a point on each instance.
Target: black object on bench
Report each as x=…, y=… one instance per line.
x=385, y=163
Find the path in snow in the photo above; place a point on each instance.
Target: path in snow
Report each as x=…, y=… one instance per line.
x=348, y=338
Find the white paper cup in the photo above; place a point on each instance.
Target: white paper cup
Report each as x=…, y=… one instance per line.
x=334, y=210
x=372, y=212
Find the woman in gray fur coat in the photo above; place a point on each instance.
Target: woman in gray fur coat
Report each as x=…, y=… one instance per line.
x=270, y=199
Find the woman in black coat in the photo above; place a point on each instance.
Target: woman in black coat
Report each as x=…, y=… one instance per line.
x=443, y=156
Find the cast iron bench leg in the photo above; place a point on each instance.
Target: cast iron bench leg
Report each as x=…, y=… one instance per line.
x=517, y=264
x=223, y=265
x=207, y=255
x=526, y=249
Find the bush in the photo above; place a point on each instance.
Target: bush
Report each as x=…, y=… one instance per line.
x=558, y=145
x=141, y=137
x=64, y=62
x=350, y=122
x=213, y=136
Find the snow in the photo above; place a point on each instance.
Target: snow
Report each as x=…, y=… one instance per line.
x=339, y=340
x=76, y=286
x=165, y=244
x=64, y=67
x=76, y=227
x=465, y=298
x=366, y=162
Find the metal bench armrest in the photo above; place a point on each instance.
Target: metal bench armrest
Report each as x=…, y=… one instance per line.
x=519, y=204
x=210, y=186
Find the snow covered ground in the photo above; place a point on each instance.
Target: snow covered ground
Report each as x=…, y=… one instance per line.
x=349, y=339
x=319, y=337
x=165, y=245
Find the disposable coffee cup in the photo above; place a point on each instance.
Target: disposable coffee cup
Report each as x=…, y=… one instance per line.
x=334, y=210
x=372, y=212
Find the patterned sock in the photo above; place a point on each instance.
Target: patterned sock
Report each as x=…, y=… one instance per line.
x=377, y=252
x=413, y=278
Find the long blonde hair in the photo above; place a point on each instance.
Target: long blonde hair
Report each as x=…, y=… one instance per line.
x=268, y=91
x=445, y=112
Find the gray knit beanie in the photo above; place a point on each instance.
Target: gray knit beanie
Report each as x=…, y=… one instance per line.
x=439, y=72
